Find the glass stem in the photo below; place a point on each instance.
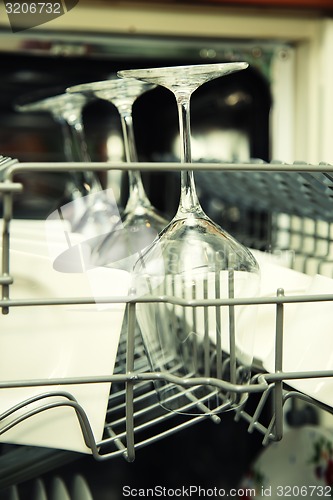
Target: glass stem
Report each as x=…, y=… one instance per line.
x=189, y=201
x=76, y=177
x=67, y=139
x=90, y=179
x=137, y=195
x=80, y=141
x=75, y=147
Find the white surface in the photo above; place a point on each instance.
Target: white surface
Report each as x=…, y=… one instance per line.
x=58, y=341
x=282, y=258
x=275, y=276
x=302, y=459
x=199, y=320
x=308, y=342
x=246, y=285
x=255, y=326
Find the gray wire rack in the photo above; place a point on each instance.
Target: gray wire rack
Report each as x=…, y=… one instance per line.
x=134, y=417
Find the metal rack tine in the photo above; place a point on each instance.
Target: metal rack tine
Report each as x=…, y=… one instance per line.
x=134, y=409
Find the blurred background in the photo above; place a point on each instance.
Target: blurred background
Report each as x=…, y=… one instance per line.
x=281, y=108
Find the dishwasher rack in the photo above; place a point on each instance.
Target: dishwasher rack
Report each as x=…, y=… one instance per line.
x=134, y=417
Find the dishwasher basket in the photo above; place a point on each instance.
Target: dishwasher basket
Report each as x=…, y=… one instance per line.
x=281, y=208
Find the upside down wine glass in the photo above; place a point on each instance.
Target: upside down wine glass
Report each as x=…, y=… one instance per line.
x=89, y=212
x=140, y=221
x=194, y=258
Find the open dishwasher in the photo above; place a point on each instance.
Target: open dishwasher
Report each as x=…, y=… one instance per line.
x=285, y=210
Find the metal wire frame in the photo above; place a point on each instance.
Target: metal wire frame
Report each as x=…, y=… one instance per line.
x=134, y=418
x=133, y=407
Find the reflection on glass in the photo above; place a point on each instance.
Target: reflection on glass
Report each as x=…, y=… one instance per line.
x=192, y=259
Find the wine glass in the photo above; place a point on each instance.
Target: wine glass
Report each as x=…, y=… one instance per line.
x=90, y=211
x=66, y=112
x=140, y=221
x=194, y=258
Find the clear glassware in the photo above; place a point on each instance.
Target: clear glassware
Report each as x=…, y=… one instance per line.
x=91, y=213
x=140, y=221
x=67, y=112
x=195, y=259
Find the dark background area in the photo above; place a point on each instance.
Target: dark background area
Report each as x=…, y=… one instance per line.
x=36, y=137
